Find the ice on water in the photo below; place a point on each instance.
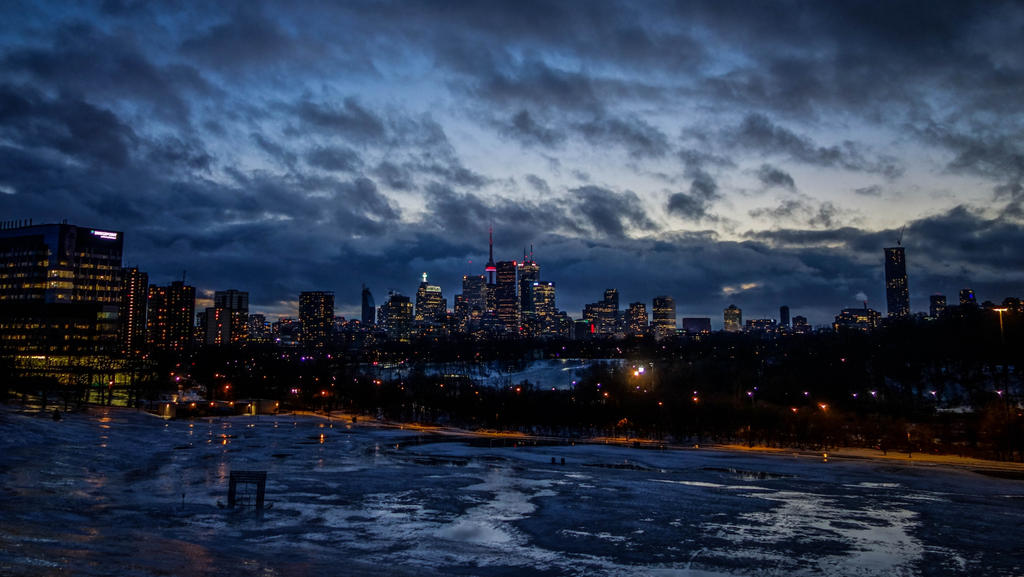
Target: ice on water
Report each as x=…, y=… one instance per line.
x=120, y=492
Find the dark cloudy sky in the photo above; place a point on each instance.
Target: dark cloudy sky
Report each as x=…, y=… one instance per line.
x=756, y=153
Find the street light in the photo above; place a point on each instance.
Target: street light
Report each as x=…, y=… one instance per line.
x=1001, y=310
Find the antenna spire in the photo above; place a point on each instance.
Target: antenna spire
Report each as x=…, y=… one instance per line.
x=491, y=267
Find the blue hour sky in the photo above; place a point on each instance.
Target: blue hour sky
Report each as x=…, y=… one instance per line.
x=719, y=152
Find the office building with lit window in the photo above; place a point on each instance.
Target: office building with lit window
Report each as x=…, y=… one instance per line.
x=396, y=316
x=604, y=314
x=60, y=289
x=636, y=319
x=663, y=317
x=529, y=273
x=431, y=305
x=936, y=306
x=542, y=318
x=506, y=295
x=732, y=319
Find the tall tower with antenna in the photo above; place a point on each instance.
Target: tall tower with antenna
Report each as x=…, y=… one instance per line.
x=897, y=291
x=491, y=267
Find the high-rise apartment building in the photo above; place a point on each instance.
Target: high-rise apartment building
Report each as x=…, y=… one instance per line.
x=897, y=293
x=936, y=306
x=732, y=318
x=636, y=319
x=60, y=287
x=316, y=313
x=663, y=313
x=133, y=309
x=234, y=326
x=169, y=323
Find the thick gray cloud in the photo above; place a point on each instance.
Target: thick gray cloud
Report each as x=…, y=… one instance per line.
x=335, y=158
x=771, y=176
x=528, y=131
x=611, y=214
x=758, y=133
x=639, y=138
x=68, y=125
x=283, y=148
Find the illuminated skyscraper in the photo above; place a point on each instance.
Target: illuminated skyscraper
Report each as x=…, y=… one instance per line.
x=430, y=303
x=897, y=293
x=369, y=312
x=506, y=294
x=636, y=319
x=732, y=318
x=529, y=273
x=474, y=290
x=543, y=293
x=542, y=317
x=60, y=286
x=663, y=317
x=605, y=313
x=936, y=306
x=316, y=313
x=132, y=314
x=395, y=317
x=170, y=319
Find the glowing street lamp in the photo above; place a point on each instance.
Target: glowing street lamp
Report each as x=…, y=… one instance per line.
x=1001, y=310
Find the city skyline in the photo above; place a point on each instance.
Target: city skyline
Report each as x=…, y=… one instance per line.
x=716, y=153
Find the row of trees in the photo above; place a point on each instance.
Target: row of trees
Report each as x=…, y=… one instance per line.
x=951, y=386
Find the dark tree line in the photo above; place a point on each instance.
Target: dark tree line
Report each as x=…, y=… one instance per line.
x=952, y=385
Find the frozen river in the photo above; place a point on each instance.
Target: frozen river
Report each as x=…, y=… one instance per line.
x=123, y=493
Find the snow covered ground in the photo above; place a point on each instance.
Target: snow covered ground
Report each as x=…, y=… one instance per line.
x=543, y=373
x=115, y=492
